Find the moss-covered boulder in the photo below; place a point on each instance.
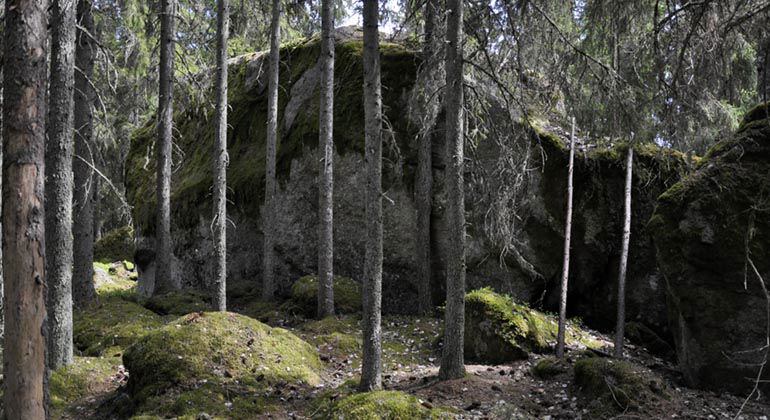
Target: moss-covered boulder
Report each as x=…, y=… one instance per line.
x=499, y=330
x=382, y=405
x=548, y=367
x=109, y=325
x=610, y=386
x=347, y=295
x=180, y=302
x=86, y=376
x=709, y=229
x=210, y=353
x=117, y=245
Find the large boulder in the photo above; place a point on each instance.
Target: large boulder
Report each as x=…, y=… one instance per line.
x=709, y=229
x=515, y=222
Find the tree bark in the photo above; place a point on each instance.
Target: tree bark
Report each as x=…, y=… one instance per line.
x=163, y=261
x=371, y=365
x=621, y=321
x=220, y=163
x=326, y=150
x=268, y=282
x=561, y=338
x=83, y=290
x=25, y=61
x=431, y=75
x=452, y=360
x=58, y=184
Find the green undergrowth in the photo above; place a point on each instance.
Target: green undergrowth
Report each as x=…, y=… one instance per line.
x=217, y=350
x=179, y=302
x=347, y=295
x=499, y=329
x=609, y=386
x=381, y=405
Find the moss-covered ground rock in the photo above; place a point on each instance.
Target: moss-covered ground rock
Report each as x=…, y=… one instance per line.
x=180, y=302
x=548, y=367
x=382, y=405
x=204, y=352
x=499, y=330
x=117, y=245
x=709, y=229
x=85, y=377
x=347, y=295
x=111, y=324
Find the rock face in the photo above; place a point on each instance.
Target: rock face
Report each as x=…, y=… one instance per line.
x=709, y=228
x=515, y=225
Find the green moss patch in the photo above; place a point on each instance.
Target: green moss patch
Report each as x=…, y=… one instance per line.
x=549, y=367
x=347, y=295
x=615, y=385
x=217, y=348
x=110, y=325
x=499, y=330
x=381, y=405
x=86, y=376
x=180, y=302
x=117, y=245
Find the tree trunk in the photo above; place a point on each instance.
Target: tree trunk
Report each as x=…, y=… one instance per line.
x=620, y=326
x=163, y=280
x=268, y=282
x=430, y=77
x=58, y=185
x=220, y=163
x=326, y=149
x=452, y=361
x=2, y=287
x=25, y=55
x=371, y=365
x=83, y=225
x=560, y=342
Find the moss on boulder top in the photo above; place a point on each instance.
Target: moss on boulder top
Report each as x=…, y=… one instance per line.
x=179, y=302
x=381, y=405
x=347, y=295
x=109, y=325
x=117, y=245
x=217, y=348
x=84, y=377
x=707, y=229
x=610, y=386
x=499, y=330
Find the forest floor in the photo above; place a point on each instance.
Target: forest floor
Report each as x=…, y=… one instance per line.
x=509, y=391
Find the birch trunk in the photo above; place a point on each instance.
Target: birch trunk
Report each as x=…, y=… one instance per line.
x=83, y=290
x=58, y=184
x=326, y=178
x=268, y=286
x=452, y=360
x=371, y=366
x=220, y=164
x=560, y=342
x=163, y=280
x=25, y=55
x=621, y=321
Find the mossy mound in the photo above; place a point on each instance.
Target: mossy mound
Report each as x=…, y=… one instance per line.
x=382, y=405
x=347, y=295
x=707, y=230
x=180, y=302
x=84, y=377
x=117, y=245
x=499, y=330
x=108, y=326
x=610, y=385
x=217, y=348
x=549, y=367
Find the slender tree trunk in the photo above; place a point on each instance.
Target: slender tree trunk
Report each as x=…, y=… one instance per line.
x=452, y=360
x=620, y=326
x=163, y=261
x=2, y=287
x=58, y=184
x=26, y=42
x=431, y=75
x=326, y=149
x=567, y=238
x=83, y=290
x=371, y=366
x=268, y=289
x=220, y=162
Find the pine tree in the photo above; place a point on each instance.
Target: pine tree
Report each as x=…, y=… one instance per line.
x=220, y=165
x=25, y=62
x=560, y=342
x=452, y=360
x=621, y=320
x=58, y=184
x=268, y=287
x=371, y=365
